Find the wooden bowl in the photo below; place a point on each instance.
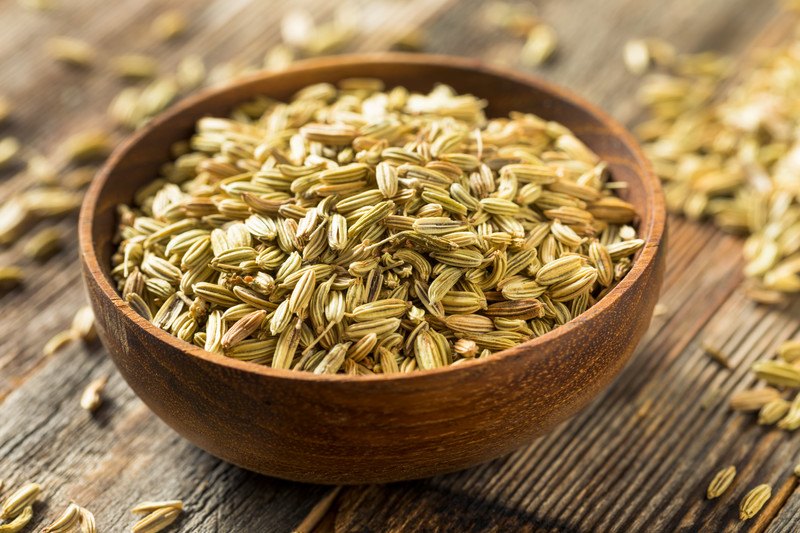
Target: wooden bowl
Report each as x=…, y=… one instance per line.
x=370, y=429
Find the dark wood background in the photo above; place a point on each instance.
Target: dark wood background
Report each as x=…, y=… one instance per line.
x=639, y=458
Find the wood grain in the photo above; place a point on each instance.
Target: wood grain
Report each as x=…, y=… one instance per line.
x=638, y=459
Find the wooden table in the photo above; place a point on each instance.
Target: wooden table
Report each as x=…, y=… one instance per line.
x=639, y=458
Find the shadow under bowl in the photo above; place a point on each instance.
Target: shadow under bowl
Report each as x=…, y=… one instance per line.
x=371, y=429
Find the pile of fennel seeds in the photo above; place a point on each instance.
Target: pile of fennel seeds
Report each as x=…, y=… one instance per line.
x=357, y=230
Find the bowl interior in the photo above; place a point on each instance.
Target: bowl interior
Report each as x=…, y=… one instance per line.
x=137, y=161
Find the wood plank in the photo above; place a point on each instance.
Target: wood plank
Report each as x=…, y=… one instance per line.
x=124, y=454
x=638, y=458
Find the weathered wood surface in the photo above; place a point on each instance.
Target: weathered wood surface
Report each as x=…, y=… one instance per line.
x=639, y=458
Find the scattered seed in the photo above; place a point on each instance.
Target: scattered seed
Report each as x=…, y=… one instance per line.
x=637, y=56
x=11, y=277
x=5, y=109
x=279, y=57
x=19, y=500
x=43, y=245
x=39, y=5
x=410, y=41
x=716, y=354
x=753, y=399
x=169, y=25
x=58, y=342
x=191, y=72
x=725, y=169
x=540, y=46
x=71, y=51
x=159, y=515
x=789, y=351
x=87, y=146
x=66, y=521
x=135, y=66
x=778, y=373
x=754, y=501
x=9, y=148
x=773, y=411
x=19, y=522
x=92, y=396
x=721, y=482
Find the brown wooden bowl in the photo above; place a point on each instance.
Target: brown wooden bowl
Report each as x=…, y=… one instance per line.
x=369, y=429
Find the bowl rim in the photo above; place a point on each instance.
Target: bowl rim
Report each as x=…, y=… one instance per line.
x=653, y=231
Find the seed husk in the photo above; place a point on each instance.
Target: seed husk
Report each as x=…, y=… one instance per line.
x=753, y=501
x=721, y=482
x=466, y=348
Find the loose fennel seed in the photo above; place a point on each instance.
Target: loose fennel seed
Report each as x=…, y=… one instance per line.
x=158, y=515
x=789, y=351
x=92, y=396
x=5, y=108
x=359, y=229
x=19, y=500
x=753, y=399
x=58, y=342
x=721, y=482
x=754, y=501
x=135, y=66
x=71, y=51
x=729, y=151
x=43, y=244
x=9, y=148
x=11, y=277
x=19, y=522
x=66, y=521
x=83, y=325
x=169, y=25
